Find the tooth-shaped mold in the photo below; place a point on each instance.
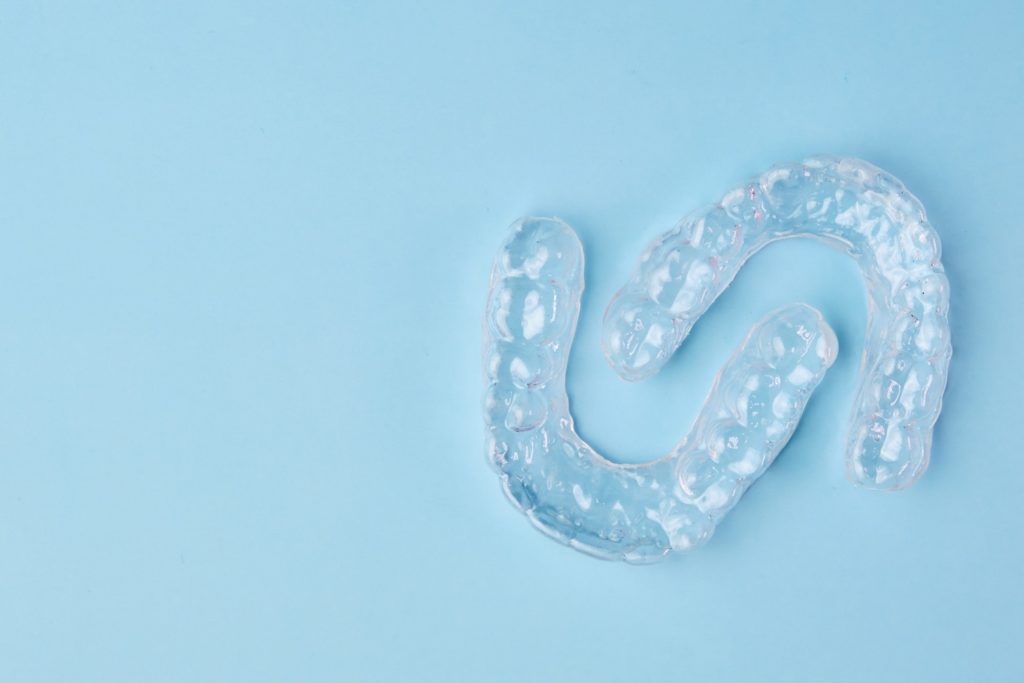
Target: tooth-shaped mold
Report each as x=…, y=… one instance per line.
x=641, y=513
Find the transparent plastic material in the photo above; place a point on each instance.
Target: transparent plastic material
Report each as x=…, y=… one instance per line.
x=640, y=513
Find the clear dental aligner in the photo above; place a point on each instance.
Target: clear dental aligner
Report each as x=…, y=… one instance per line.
x=640, y=513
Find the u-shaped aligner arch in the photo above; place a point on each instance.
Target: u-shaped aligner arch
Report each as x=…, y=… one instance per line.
x=865, y=213
x=641, y=512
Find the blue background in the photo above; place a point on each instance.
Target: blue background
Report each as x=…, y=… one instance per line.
x=243, y=264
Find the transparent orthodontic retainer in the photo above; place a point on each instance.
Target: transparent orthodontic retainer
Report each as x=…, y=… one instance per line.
x=640, y=513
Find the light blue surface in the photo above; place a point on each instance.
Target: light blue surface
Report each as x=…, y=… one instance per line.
x=242, y=271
